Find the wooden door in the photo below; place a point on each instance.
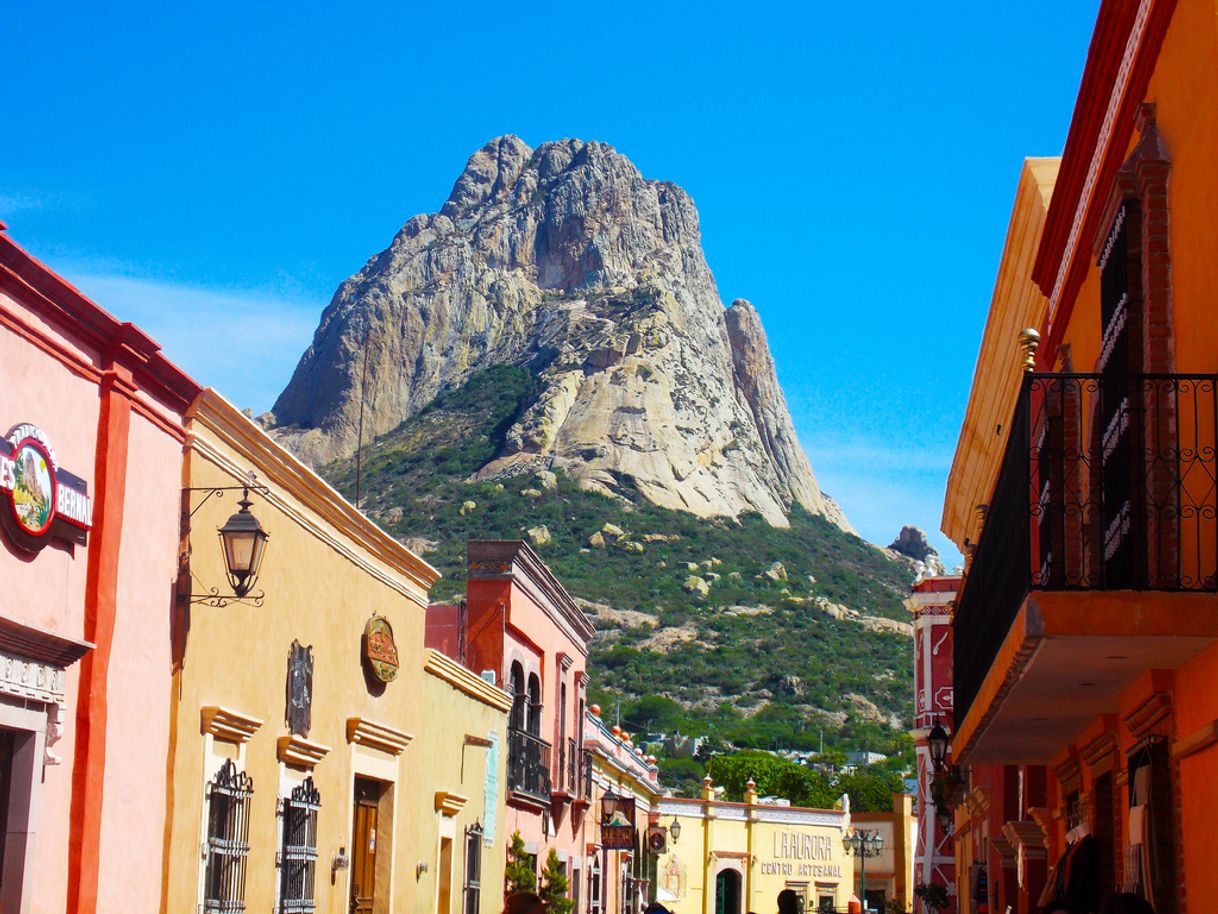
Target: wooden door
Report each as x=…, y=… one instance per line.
x=363, y=851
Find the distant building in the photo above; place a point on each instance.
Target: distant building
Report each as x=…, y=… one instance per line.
x=930, y=603
x=864, y=758
x=621, y=871
x=731, y=858
x=890, y=876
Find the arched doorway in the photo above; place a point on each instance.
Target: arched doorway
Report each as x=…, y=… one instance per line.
x=727, y=892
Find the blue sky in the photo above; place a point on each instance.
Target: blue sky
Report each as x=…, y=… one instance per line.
x=214, y=171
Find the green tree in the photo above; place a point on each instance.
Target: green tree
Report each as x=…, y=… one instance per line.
x=519, y=875
x=773, y=776
x=555, y=887
x=682, y=774
x=870, y=788
x=656, y=712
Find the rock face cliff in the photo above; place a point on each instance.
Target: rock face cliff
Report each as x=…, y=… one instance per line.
x=911, y=543
x=565, y=260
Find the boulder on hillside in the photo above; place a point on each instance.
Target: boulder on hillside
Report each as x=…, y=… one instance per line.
x=540, y=535
x=776, y=572
x=631, y=546
x=612, y=531
x=467, y=506
x=695, y=584
x=596, y=540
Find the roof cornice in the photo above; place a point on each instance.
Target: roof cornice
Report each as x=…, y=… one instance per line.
x=515, y=561
x=445, y=668
x=1120, y=62
x=283, y=473
x=42, y=289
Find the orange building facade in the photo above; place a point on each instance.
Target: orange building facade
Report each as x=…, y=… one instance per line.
x=1083, y=496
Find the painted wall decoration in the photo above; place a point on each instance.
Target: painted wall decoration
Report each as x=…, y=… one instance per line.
x=673, y=880
x=380, y=650
x=299, y=713
x=45, y=501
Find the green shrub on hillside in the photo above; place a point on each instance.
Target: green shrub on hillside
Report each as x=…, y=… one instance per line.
x=760, y=664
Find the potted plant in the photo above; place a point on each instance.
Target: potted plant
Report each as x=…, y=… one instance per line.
x=932, y=895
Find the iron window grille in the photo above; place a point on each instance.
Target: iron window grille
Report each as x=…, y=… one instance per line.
x=473, y=868
x=298, y=860
x=228, y=828
x=594, y=886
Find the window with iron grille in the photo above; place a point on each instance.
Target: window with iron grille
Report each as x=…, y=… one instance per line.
x=228, y=829
x=298, y=859
x=594, y=886
x=473, y=869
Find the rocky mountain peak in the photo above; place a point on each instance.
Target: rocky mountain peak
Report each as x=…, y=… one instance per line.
x=911, y=542
x=563, y=259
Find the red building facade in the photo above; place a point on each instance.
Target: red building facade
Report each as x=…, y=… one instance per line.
x=519, y=626
x=930, y=603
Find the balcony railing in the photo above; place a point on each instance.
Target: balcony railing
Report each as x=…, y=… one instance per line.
x=1108, y=483
x=585, y=773
x=528, y=764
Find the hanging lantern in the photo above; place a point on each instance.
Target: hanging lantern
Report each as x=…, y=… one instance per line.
x=244, y=542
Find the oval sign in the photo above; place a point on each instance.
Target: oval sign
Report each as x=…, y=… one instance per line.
x=33, y=494
x=380, y=650
x=44, y=500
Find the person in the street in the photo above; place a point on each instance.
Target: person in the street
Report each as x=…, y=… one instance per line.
x=524, y=903
x=788, y=902
x=656, y=908
x=1126, y=903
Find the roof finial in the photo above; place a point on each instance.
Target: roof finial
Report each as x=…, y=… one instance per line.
x=1029, y=339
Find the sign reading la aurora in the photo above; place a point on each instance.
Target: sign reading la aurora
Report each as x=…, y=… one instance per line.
x=45, y=501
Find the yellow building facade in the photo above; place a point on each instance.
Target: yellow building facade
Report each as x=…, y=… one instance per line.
x=321, y=758
x=733, y=858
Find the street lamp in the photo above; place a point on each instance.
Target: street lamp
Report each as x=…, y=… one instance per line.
x=244, y=541
x=675, y=829
x=936, y=740
x=861, y=843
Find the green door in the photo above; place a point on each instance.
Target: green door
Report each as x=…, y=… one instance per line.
x=727, y=892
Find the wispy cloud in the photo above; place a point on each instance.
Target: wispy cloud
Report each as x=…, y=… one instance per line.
x=882, y=487
x=243, y=342
x=21, y=201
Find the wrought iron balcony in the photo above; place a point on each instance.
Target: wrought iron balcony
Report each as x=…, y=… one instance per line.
x=528, y=764
x=1107, y=483
x=585, y=775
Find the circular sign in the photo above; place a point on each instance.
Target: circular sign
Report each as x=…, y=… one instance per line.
x=33, y=495
x=380, y=650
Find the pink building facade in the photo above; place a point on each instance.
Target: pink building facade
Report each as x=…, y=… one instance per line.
x=519, y=626
x=90, y=495
x=931, y=605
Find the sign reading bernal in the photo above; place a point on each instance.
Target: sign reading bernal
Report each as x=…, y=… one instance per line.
x=44, y=500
